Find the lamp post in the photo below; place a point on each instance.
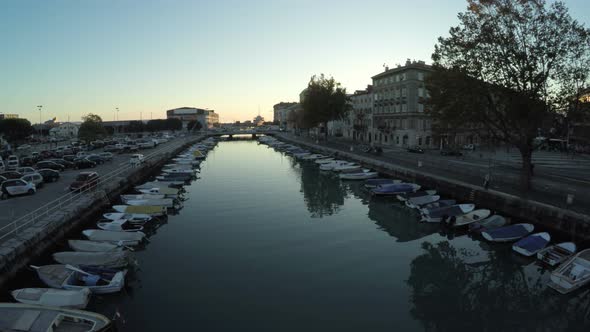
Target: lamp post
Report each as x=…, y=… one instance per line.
x=40, y=107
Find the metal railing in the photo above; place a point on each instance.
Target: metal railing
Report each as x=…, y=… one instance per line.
x=68, y=199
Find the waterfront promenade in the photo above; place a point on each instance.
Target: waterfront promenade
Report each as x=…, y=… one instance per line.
x=551, y=183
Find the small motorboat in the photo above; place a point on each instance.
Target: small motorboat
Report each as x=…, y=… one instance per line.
x=372, y=183
x=395, y=189
x=156, y=184
x=358, y=176
x=489, y=223
x=347, y=168
x=572, y=274
x=174, y=177
x=324, y=161
x=168, y=171
x=169, y=192
x=152, y=210
x=36, y=318
x=447, y=213
x=313, y=157
x=93, y=246
x=334, y=164
x=122, y=238
x=471, y=217
x=417, y=202
x=421, y=193
x=125, y=198
x=120, y=225
x=113, y=260
x=98, y=280
x=437, y=204
x=167, y=202
x=508, y=233
x=51, y=297
x=532, y=244
x=556, y=254
x=130, y=217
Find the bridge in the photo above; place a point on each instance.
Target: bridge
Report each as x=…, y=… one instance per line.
x=231, y=133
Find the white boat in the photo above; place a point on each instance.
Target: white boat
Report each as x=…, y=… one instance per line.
x=156, y=184
x=152, y=210
x=495, y=221
x=313, y=156
x=324, y=161
x=471, y=217
x=116, y=259
x=35, y=318
x=178, y=171
x=123, y=238
x=51, y=297
x=572, y=274
x=358, y=176
x=93, y=246
x=167, y=202
x=130, y=217
x=557, y=253
x=120, y=225
x=447, y=213
x=532, y=244
x=422, y=193
x=99, y=281
x=169, y=192
x=125, y=198
x=347, y=168
x=335, y=163
x=417, y=202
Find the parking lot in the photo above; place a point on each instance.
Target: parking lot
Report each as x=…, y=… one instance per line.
x=15, y=207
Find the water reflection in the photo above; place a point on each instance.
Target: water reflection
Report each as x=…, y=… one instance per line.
x=323, y=193
x=449, y=295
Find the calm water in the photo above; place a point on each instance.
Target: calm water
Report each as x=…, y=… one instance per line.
x=265, y=243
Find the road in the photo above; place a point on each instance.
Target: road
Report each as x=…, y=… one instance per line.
x=16, y=207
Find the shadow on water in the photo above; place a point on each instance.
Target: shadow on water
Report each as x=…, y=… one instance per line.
x=500, y=295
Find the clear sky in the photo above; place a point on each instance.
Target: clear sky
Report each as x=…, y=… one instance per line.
x=76, y=57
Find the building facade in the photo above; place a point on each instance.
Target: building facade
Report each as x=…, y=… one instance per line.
x=65, y=130
x=399, y=116
x=360, y=118
x=8, y=116
x=281, y=111
x=207, y=118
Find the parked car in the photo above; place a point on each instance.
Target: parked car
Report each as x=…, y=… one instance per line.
x=36, y=156
x=27, y=161
x=63, y=162
x=469, y=147
x=96, y=158
x=136, y=159
x=46, y=154
x=2, y=179
x=12, y=175
x=16, y=187
x=34, y=178
x=451, y=152
x=110, y=148
x=50, y=165
x=48, y=175
x=12, y=162
x=415, y=149
x=69, y=157
x=26, y=170
x=84, y=181
x=84, y=163
x=107, y=156
x=81, y=154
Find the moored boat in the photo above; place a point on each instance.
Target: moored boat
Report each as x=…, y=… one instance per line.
x=130, y=217
x=115, y=259
x=471, y=217
x=416, y=202
x=51, y=297
x=98, y=280
x=93, y=246
x=36, y=318
x=489, y=223
x=152, y=210
x=572, y=274
x=421, y=193
x=437, y=204
x=120, y=225
x=358, y=176
x=508, y=233
x=123, y=238
x=556, y=254
x=447, y=213
x=395, y=189
x=167, y=202
x=372, y=183
x=532, y=244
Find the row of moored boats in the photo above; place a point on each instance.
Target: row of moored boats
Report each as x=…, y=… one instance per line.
x=572, y=268
x=99, y=263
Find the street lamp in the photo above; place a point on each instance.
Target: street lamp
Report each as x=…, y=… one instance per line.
x=40, y=107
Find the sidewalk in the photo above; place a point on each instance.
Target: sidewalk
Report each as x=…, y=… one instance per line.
x=546, y=188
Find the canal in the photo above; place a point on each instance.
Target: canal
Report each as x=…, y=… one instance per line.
x=266, y=243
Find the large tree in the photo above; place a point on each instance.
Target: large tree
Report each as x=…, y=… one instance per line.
x=503, y=69
x=324, y=100
x=91, y=128
x=15, y=129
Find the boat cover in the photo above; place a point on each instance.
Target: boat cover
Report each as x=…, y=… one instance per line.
x=446, y=211
x=508, y=232
x=378, y=182
x=394, y=188
x=532, y=243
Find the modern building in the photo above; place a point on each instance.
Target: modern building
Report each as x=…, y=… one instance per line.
x=8, y=116
x=207, y=118
x=360, y=119
x=65, y=130
x=399, y=116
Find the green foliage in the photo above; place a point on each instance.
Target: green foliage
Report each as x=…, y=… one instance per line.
x=135, y=127
x=164, y=124
x=92, y=128
x=325, y=100
x=15, y=129
x=503, y=69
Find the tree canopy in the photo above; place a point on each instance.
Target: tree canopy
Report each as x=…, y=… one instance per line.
x=15, y=129
x=91, y=128
x=504, y=69
x=324, y=100
x=164, y=124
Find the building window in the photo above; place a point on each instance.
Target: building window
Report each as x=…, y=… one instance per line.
x=420, y=92
x=397, y=140
x=420, y=108
x=404, y=92
x=404, y=107
x=420, y=141
x=420, y=76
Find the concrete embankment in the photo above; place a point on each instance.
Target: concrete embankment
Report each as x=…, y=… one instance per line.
x=568, y=223
x=38, y=238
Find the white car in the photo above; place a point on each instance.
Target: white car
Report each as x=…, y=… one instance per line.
x=12, y=162
x=35, y=178
x=16, y=187
x=81, y=154
x=26, y=170
x=136, y=159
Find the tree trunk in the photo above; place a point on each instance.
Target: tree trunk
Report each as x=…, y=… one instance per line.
x=526, y=173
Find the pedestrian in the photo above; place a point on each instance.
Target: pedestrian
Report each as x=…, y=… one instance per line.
x=486, y=181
